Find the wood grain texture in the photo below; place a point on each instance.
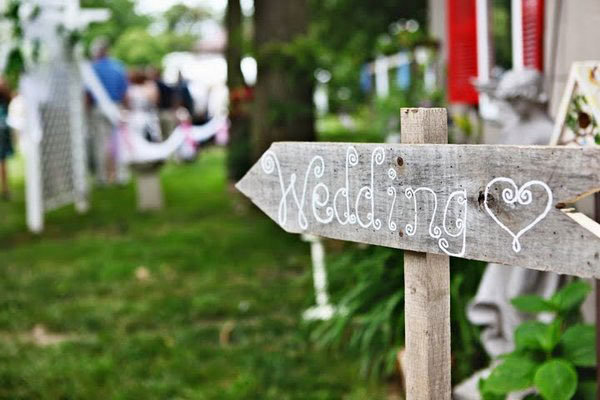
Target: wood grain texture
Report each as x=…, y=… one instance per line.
x=427, y=325
x=563, y=108
x=427, y=288
x=556, y=243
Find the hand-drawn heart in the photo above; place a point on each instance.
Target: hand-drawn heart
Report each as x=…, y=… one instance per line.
x=521, y=195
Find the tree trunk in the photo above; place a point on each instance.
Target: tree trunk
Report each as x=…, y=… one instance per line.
x=283, y=96
x=233, y=22
x=238, y=154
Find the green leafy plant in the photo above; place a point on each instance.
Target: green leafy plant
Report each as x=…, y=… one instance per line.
x=557, y=359
x=371, y=282
x=368, y=286
x=467, y=351
x=15, y=62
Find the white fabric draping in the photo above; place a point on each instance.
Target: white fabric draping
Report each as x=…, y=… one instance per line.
x=133, y=146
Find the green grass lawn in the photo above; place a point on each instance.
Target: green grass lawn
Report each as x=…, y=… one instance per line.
x=199, y=301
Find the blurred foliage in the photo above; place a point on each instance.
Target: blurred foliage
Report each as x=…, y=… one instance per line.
x=468, y=354
x=367, y=284
x=466, y=127
x=374, y=122
x=138, y=39
x=141, y=40
x=385, y=112
x=557, y=358
x=16, y=61
x=347, y=128
x=501, y=33
x=184, y=19
x=137, y=47
x=15, y=66
x=122, y=18
x=463, y=122
x=24, y=53
x=390, y=43
x=349, y=33
x=297, y=57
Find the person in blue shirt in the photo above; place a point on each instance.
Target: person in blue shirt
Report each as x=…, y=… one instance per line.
x=111, y=72
x=104, y=143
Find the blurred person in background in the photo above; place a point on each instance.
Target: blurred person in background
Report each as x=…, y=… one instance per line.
x=166, y=109
x=143, y=98
x=183, y=98
x=6, y=146
x=113, y=78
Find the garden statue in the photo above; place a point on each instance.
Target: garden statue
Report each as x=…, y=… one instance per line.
x=522, y=107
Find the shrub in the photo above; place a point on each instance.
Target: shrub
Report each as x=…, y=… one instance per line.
x=558, y=358
x=368, y=286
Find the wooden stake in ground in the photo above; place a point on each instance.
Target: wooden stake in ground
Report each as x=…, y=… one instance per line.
x=427, y=286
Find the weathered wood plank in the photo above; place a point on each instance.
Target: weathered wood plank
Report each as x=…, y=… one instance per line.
x=427, y=287
x=369, y=193
x=427, y=325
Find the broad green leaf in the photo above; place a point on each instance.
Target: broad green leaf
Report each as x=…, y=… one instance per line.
x=515, y=373
x=552, y=335
x=578, y=345
x=535, y=335
x=492, y=396
x=487, y=395
x=532, y=304
x=571, y=296
x=556, y=380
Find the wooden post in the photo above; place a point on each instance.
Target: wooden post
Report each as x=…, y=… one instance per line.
x=427, y=285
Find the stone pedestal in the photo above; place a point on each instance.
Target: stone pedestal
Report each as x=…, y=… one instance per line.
x=148, y=188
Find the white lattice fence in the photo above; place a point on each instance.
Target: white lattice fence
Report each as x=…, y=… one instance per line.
x=55, y=148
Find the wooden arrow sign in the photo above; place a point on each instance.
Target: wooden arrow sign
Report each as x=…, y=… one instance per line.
x=503, y=204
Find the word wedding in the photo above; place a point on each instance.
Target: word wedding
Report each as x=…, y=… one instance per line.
x=329, y=205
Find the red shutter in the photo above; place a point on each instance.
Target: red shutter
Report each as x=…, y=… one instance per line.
x=533, y=34
x=462, y=51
